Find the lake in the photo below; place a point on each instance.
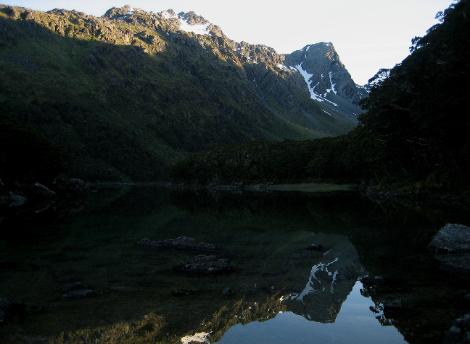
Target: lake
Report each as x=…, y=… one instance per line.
x=318, y=267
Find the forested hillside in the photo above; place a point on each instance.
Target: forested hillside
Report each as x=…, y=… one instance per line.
x=125, y=95
x=415, y=130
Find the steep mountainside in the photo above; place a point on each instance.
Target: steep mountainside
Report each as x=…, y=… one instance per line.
x=126, y=94
x=328, y=80
x=414, y=132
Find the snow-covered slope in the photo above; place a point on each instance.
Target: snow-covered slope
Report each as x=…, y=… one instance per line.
x=327, y=78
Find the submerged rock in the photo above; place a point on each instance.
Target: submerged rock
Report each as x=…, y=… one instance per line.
x=451, y=247
x=181, y=243
x=206, y=265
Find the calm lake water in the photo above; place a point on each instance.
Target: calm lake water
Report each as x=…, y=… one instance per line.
x=280, y=290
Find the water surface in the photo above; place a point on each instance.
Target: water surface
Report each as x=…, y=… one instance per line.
x=278, y=292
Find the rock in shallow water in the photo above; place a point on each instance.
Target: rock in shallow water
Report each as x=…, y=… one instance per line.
x=206, y=265
x=451, y=247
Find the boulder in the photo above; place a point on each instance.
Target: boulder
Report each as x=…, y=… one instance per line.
x=451, y=248
x=182, y=243
x=206, y=265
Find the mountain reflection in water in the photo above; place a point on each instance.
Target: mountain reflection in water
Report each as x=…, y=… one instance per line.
x=355, y=323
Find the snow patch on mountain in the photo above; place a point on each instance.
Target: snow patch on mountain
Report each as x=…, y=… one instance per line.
x=283, y=67
x=198, y=29
x=307, y=77
x=333, y=85
x=314, y=282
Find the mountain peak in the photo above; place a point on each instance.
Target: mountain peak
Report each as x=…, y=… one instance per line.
x=327, y=78
x=115, y=12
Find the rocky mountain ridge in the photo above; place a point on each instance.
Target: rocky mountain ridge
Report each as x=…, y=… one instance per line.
x=163, y=84
x=320, y=59
x=327, y=78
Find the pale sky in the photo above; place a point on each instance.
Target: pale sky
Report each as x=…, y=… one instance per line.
x=368, y=34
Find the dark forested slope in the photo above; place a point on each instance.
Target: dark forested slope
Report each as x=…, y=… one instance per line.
x=416, y=129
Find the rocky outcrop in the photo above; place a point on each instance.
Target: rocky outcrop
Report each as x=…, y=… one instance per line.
x=451, y=247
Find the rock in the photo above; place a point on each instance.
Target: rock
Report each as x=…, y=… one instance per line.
x=452, y=238
x=42, y=191
x=181, y=243
x=206, y=265
x=451, y=247
x=79, y=294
